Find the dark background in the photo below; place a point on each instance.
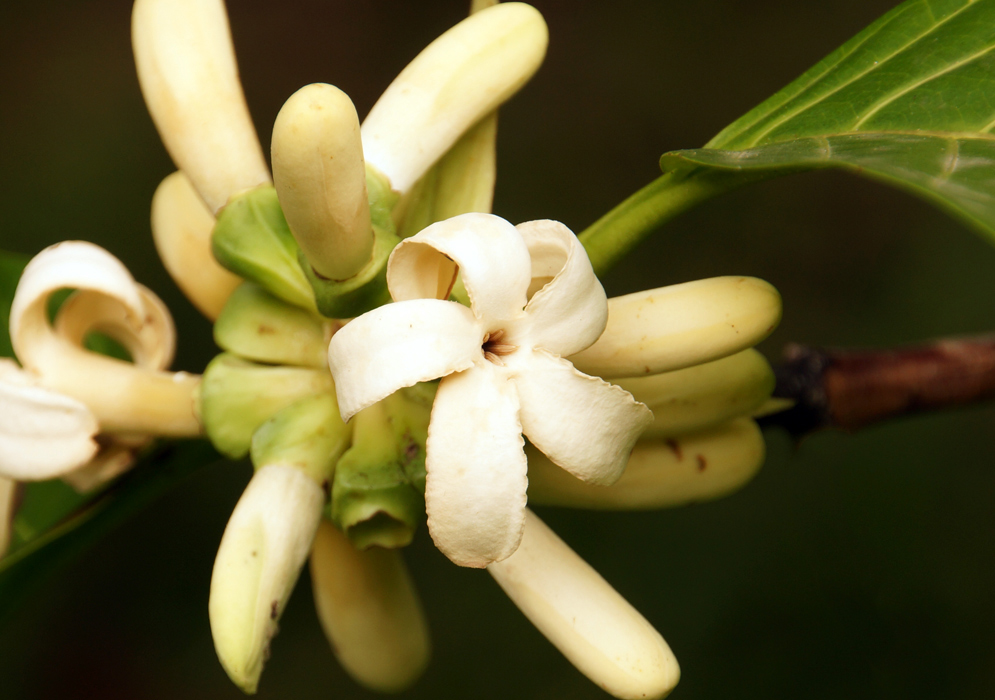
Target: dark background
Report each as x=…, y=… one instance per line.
x=854, y=566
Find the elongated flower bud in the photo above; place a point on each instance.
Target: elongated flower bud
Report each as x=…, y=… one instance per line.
x=320, y=177
x=584, y=617
x=187, y=71
x=262, y=551
x=369, y=610
x=702, y=396
x=660, y=473
x=8, y=492
x=664, y=329
x=460, y=77
x=181, y=229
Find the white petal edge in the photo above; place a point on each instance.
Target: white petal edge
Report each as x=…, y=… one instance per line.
x=661, y=473
x=399, y=345
x=584, y=424
x=181, y=230
x=475, y=484
x=266, y=541
x=114, y=459
x=570, y=311
x=123, y=396
x=43, y=434
x=584, y=617
x=486, y=250
x=458, y=79
x=189, y=78
x=664, y=329
x=369, y=611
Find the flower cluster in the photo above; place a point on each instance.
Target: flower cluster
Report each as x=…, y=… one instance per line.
x=387, y=223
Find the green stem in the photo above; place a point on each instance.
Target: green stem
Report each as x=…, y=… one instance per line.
x=616, y=233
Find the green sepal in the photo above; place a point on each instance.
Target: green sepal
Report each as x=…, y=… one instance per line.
x=253, y=240
x=237, y=396
x=382, y=200
x=308, y=435
x=258, y=326
x=378, y=485
x=364, y=291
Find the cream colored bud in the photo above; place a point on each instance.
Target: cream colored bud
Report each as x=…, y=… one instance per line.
x=660, y=473
x=664, y=329
x=369, y=611
x=262, y=551
x=320, y=178
x=187, y=72
x=181, y=229
x=701, y=396
x=8, y=493
x=463, y=75
x=584, y=617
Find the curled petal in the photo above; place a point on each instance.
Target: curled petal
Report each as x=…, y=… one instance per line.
x=584, y=424
x=369, y=610
x=569, y=312
x=187, y=71
x=151, y=345
x=460, y=77
x=664, y=329
x=487, y=250
x=661, y=473
x=266, y=541
x=181, y=229
x=399, y=345
x=43, y=434
x=584, y=617
x=475, y=484
x=124, y=397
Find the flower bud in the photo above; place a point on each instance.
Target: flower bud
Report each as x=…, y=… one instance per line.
x=459, y=78
x=660, y=473
x=187, y=72
x=584, y=617
x=262, y=551
x=320, y=177
x=369, y=610
x=664, y=329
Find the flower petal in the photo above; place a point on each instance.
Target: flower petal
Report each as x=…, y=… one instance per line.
x=664, y=329
x=123, y=396
x=460, y=77
x=475, y=485
x=181, y=229
x=584, y=617
x=369, y=610
x=487, y=250
x=661, y=473
x=187, y=72
x=584, y=424
x=570, y=311
x=399, y=345
x=114, y=459
x=43, y=434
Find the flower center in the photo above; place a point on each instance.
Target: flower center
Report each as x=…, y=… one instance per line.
x=495, y=348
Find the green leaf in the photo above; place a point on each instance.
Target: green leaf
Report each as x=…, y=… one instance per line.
x=926, y=65
x=955, y=171
x=11, y=266
x=910, y=101
x=22, y=571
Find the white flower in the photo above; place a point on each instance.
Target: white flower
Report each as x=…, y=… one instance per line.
x=503, y=371
x=53, y=408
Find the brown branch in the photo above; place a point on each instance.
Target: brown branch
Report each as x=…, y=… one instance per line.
x=851, y=389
